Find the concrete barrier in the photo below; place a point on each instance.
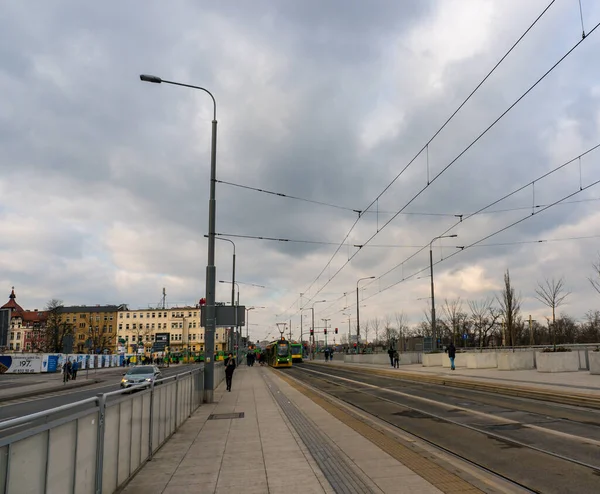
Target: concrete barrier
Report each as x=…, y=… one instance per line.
x=487, y=360
x=594, y=362
x=432, y=359
x=516, y=361
x=459, y=361
x=557, y=361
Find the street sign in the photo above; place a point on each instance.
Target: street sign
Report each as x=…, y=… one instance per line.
x=465, y=336
x=225, y=316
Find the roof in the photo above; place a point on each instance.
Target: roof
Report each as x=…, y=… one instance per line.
x=89, y=308
x=12, y=303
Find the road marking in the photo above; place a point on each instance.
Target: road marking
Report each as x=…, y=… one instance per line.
x=467, y=410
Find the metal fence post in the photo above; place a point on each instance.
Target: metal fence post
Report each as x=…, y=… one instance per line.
x=100, y=442
x=151, y=421
x=176, y=400
x=192, y=375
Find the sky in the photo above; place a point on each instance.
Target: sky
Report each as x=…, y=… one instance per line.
x=104, y=178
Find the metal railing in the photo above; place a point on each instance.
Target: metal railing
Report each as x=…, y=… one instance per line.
x=96, y=445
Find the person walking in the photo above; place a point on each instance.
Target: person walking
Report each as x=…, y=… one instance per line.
x=451, y=351
x=74, y=369
x=391, y=355
x=67, y=371
x=396, y=359
x=229, y=368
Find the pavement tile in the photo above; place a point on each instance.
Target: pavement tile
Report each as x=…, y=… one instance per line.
x=202, y=488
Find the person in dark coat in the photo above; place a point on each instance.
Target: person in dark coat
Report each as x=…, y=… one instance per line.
x=391, y=355
x=451, y=351
x=229, y=368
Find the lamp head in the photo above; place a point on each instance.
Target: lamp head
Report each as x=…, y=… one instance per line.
x=150, y=78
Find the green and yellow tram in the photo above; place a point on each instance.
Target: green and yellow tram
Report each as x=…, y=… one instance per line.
x=279, y=353
x=296, y=352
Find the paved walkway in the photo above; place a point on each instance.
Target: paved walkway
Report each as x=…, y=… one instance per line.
x=285, y=443
x=581, y=381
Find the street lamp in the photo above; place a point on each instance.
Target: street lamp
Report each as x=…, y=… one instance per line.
x=230, y=342
x=234, y=284
x=358, y=313
x=211, y=271
x=433, y=327
x=312, y=347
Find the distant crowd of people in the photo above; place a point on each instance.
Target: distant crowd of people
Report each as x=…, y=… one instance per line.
x=252, y=357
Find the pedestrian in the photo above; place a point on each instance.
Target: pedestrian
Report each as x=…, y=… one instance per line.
x=331, y=354
x=229, y=368
x=74, y=369
x=391, y=355
x=396, y=359
x=451, y=351
x=326, y=354
x=248, y=359
x=67, y=371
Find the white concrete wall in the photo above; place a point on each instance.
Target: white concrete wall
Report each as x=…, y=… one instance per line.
x=516, y=361
x=557, y=361
x=484, y=360
x=594, y=362
x=432, y=359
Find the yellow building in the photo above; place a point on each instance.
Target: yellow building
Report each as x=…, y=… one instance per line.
x=94, y=327
x=137, y=327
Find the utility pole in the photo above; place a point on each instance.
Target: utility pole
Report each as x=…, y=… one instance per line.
x=531, y=338
x=325, y=321
x=290, y=330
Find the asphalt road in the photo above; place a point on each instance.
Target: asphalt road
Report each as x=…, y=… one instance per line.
x=509, y=436
x=111, y=380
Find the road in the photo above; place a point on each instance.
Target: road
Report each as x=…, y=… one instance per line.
x=543, y=447
x=111, y=380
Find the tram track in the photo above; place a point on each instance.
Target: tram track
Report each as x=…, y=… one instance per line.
x=545, y=448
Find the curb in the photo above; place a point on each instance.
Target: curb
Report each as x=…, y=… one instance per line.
x=569, y=398
x=53, y=389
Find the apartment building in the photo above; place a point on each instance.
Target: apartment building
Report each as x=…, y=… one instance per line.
x=137, y=330
x=94, y=327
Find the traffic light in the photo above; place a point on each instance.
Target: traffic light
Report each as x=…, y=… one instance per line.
x=336, y=331
x=325, y=331
x=312, y=332
x=202, y=301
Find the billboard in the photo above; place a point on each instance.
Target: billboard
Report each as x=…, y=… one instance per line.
x=4, y=326
x=20, y=364
x=225, y=316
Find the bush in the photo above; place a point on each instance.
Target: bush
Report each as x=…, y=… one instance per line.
x=556, y=349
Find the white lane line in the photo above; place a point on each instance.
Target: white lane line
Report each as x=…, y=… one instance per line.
x=467, y=410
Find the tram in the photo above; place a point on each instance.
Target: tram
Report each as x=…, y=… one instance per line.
x=279, y=353
x=296, y=352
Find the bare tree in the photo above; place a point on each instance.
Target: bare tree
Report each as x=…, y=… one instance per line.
x=484, y=317
x=389, y=331
x=453, y=315
x=595, y=279
x=376, y=322
x=510, y=304
x=552, y=294
x=365, y=330
x=56, y=330
x=99, y=337
x=401, y=327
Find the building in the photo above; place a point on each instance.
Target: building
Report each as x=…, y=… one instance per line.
x=94, y=328
x=27, y=328
x=137, y=330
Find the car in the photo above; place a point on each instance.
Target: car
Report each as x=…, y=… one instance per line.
x=140, y=374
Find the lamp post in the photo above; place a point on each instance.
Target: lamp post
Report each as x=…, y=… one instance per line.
x=230, y=342
x=312, y=346
x=358, y=313
x=433, y=327
x=211, y=271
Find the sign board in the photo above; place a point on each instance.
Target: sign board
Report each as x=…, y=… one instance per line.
x=20, y=364
x=4, y=326
x=161, y=342
x=225, y=316
x=465, y=336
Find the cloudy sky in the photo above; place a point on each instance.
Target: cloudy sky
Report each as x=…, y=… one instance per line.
x=105, y=179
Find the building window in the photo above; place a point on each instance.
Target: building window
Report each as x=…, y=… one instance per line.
x=147, y=326
x=120, y=326
x=120, y=315
x=126, y=326
x=127, y=315
x=164, y=314
x=18, y=347
x=81, y=316
x=152, y=325
x=135, y=326
x=110, y=329
x=160, y=314
x=154, y=314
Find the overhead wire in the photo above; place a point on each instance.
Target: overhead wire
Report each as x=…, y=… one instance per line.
x=452, y=162
x=484, y=238
x=448, y=120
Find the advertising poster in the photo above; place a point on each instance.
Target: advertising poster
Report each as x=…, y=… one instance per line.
x=20, y=364
x=81, y=361
x=49, y=363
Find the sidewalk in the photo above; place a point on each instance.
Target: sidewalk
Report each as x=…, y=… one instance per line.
x=560, y=382
x=285, y=442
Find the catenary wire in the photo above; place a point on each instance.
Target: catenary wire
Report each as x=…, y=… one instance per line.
x=426, y=146
x=487, y=129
